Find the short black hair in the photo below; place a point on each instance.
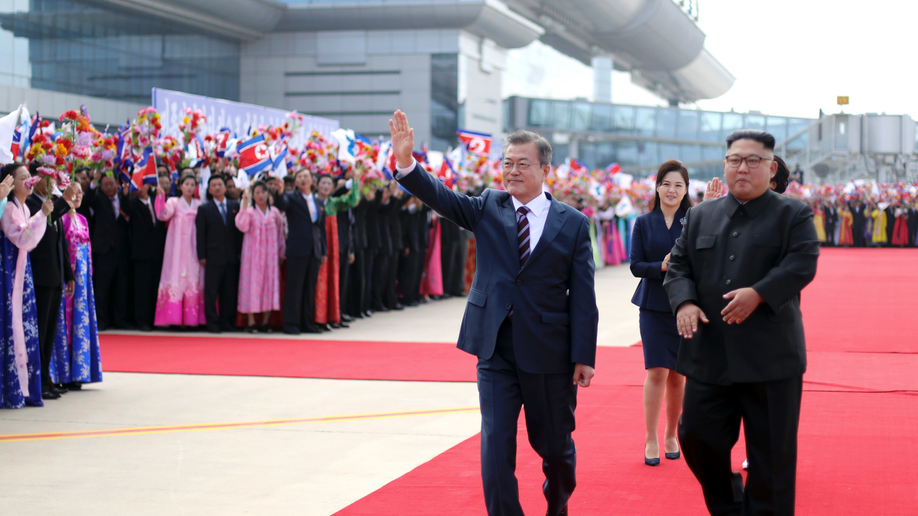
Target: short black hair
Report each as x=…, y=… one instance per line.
x=782, y=176
x=762, y=137
x=289, y=179
x=82, y=169
x=216, y=176
x=10, y=170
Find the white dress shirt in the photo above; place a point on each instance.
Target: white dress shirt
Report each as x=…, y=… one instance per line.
x=538, y=209
x=311, y=202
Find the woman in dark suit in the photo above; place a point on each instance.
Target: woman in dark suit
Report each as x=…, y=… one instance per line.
x=654, y=235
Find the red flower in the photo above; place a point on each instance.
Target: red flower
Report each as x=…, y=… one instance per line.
x=60, y=161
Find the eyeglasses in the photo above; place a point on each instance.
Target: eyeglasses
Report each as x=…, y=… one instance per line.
x=521, y=165
x=752, y=161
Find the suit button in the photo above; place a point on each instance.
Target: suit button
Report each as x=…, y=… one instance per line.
x=508, y=307
x=729, y=282
x=519, y=282
x=732, y=257
x=735, y=234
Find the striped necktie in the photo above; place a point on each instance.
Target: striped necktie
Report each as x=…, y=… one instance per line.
x=522, y=233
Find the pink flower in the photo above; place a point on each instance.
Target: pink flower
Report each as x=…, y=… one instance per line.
x=63, y=179
x=47, y=171
x=30, y=182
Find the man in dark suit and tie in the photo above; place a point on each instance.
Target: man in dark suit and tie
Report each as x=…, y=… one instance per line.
x=52, y=272
x=219, y=246
x=147, y=247
x=111, y=251
x=738, y=269
x=307, y=250
x=531, y=317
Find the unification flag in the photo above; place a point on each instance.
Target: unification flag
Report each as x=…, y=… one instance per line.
x=145, y=171
x=279, y=161
x=24, y=147
x=475, y=143
x=349, y=144
x=385, y=159
x=254, y=156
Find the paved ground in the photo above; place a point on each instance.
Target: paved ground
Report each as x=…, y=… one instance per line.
x=201, y=445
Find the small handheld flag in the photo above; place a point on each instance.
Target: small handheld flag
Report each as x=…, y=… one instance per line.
x=475, y=143
x=144, y=172
x=254, y=156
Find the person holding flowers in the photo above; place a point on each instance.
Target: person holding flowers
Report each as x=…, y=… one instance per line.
x=51, y=258
x=20, y=360
x=77, y=358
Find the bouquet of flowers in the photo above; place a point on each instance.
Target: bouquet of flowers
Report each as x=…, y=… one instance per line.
x=192, y=124
x=145, y=130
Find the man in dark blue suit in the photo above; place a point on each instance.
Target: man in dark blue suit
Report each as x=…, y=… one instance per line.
x=306, y=252
x=531, y=317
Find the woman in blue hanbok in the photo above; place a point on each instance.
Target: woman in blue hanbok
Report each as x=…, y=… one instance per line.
x=76, y=358
x=20, y=361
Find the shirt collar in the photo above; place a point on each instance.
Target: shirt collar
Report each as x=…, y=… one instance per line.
x=753, y=207
x=536, y=206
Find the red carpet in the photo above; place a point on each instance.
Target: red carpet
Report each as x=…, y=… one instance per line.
x=287, y=358
x=857, y=430
x=857, y=426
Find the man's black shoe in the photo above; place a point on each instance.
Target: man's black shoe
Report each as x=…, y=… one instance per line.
x=49, y=395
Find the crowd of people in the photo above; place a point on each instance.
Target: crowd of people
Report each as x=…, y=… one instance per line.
x=298, y=254
x=308, y=247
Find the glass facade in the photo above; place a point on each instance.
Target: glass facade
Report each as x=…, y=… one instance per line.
x=641, y=138
x=444, y=100
x=79, y=48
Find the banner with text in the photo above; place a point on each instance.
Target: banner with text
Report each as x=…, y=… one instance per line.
x=237, y=116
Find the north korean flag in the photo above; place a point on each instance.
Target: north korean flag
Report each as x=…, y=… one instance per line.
x=254, y=156
x=144, y=171
x=475, y=143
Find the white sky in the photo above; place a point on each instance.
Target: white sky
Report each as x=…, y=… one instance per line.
x=789, y=57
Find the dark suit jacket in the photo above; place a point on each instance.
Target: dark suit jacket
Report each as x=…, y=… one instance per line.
x=304, y=238
x=651, y=241
x=772, y=248
x=148, y=240
x=50, y=258
x=218, y=243
x=107, y=232
x=555, y=316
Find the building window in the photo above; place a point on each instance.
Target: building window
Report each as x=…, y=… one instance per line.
x=444, y=101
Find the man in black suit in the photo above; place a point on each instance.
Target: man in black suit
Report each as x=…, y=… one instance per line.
x=52, y=274
x=531, y=317
x=738, y=268
x=219, y=246
x=859, y=222
x=111, y=251
x=147, y=247
x=306, y=252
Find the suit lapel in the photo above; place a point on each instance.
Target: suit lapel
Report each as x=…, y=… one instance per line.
x=552, y=227
x=508, y=217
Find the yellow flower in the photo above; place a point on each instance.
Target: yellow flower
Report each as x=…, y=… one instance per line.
x=60, y=150
x=185, y=120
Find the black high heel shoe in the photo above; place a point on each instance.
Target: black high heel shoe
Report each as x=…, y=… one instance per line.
x=650, y=462
x=673, y=456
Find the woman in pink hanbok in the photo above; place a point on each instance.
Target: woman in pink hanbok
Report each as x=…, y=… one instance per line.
x=263, y=249
x=181, y=286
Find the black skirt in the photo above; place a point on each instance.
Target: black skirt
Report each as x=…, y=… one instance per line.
x=659, y=338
